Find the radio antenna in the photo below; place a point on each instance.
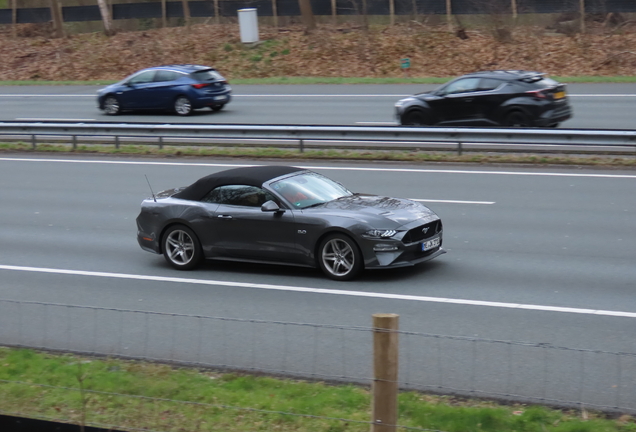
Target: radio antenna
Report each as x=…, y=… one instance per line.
x=153, y=194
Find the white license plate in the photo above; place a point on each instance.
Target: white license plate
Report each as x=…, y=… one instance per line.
x=430, y=244
x=220, y=97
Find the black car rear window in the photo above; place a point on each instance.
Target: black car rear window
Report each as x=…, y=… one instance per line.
x=207, y=75
x=540, y=81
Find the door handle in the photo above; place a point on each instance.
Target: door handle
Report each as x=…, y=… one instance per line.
x=224, y=217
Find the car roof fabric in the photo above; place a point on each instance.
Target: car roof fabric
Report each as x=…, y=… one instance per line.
x=250, y=176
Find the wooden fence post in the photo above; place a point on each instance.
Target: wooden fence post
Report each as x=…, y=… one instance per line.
x=384, y=409
x=217, y=12
x=449, y=15
x=164, y=14
x=275, y=13
x=14, y=18
x=582, y=12
x=334, y=12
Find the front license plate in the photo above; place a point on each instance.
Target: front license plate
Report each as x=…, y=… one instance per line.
x=559, y=95
x=430, y=244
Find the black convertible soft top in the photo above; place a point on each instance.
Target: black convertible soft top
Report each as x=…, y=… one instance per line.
x=250, y=176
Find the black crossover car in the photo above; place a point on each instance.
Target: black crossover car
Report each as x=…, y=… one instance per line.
x=489, y=98
x=287, y=215
x=178, y=88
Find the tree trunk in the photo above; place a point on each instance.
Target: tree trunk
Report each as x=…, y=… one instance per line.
x=186, y=12
x=56, y=15
x=307, y=14
x=105, y=12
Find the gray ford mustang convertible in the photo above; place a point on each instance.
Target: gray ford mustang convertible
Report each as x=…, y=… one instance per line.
x=287, y=215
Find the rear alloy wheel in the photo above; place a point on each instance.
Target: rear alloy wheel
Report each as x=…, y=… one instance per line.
x=414, y=118
x=111, y=105
x=339, y=257
x=183, y=106
x=518, y=119
x=181, y=248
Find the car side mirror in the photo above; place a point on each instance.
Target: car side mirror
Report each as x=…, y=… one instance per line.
x=270, y=206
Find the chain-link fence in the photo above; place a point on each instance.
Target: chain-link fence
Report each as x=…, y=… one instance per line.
x=507, y=370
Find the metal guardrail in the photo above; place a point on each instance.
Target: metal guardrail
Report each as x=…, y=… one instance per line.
x=377, y=137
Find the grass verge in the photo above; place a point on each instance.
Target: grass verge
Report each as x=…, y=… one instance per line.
x=331, y=154
x=133, y=394
x=335, y=80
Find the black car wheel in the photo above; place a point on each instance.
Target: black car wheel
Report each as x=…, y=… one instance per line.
x=111, y=105
x=181, y=248
x=518, y=119
x=182, y=106
x=415, y=118
x=217, y=108
x=339, y=257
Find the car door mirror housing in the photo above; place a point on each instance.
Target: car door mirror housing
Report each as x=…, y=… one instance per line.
x=270, y=206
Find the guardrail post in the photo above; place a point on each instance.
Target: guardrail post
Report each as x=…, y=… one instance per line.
x=160, y=143
x=384, y=408
x=302, y=146
x=33, y=141
x=116, y=141
x=459, y=148
x=74, y=142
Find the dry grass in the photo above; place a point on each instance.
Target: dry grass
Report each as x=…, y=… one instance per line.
x=328, y=52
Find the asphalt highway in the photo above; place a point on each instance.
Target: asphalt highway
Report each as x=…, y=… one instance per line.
x=541, y=255
x=595, y=106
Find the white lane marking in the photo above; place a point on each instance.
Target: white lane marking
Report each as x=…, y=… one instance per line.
x=326, y=168
x=451, y=201
x=54, y=119
x=324, y=291
x=339, y=95
x=48, y=95
x=378, y=123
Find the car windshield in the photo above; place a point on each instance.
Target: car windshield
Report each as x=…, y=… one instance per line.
x=309, y=189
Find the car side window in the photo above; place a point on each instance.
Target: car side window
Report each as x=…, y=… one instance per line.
x=142, y=78
x=462, y=86
x=489, y=84
x=165, y=75
x=238, y=195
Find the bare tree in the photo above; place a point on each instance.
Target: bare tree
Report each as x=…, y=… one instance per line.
x=106, y=19
x=307, y=14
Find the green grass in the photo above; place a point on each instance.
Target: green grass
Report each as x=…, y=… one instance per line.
x=328, y=154
x=205, y=400
x=335, y=80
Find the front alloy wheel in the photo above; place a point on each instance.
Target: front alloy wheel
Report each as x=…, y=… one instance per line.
x=339, y=257
x=111, y=105
x=181, y=248
x=183, y=106
x=414, y=118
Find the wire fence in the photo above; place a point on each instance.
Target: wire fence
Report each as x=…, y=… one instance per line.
x=512, y=371
x=145, y=10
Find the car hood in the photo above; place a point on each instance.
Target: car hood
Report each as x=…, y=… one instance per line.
x=373, y=207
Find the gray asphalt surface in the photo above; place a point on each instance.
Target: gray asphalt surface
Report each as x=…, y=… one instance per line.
x=596, y=106
x=553, y=237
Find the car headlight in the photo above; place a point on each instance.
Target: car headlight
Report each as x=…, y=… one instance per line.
x=399, y=103
x=378, y=233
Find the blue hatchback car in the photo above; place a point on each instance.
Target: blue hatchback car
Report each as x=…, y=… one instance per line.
x=177, y=88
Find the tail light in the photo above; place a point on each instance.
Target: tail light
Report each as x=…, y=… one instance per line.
x=541, y=94
x=200, y=86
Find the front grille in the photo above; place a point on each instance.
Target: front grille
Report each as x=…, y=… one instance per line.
x=418, y=234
